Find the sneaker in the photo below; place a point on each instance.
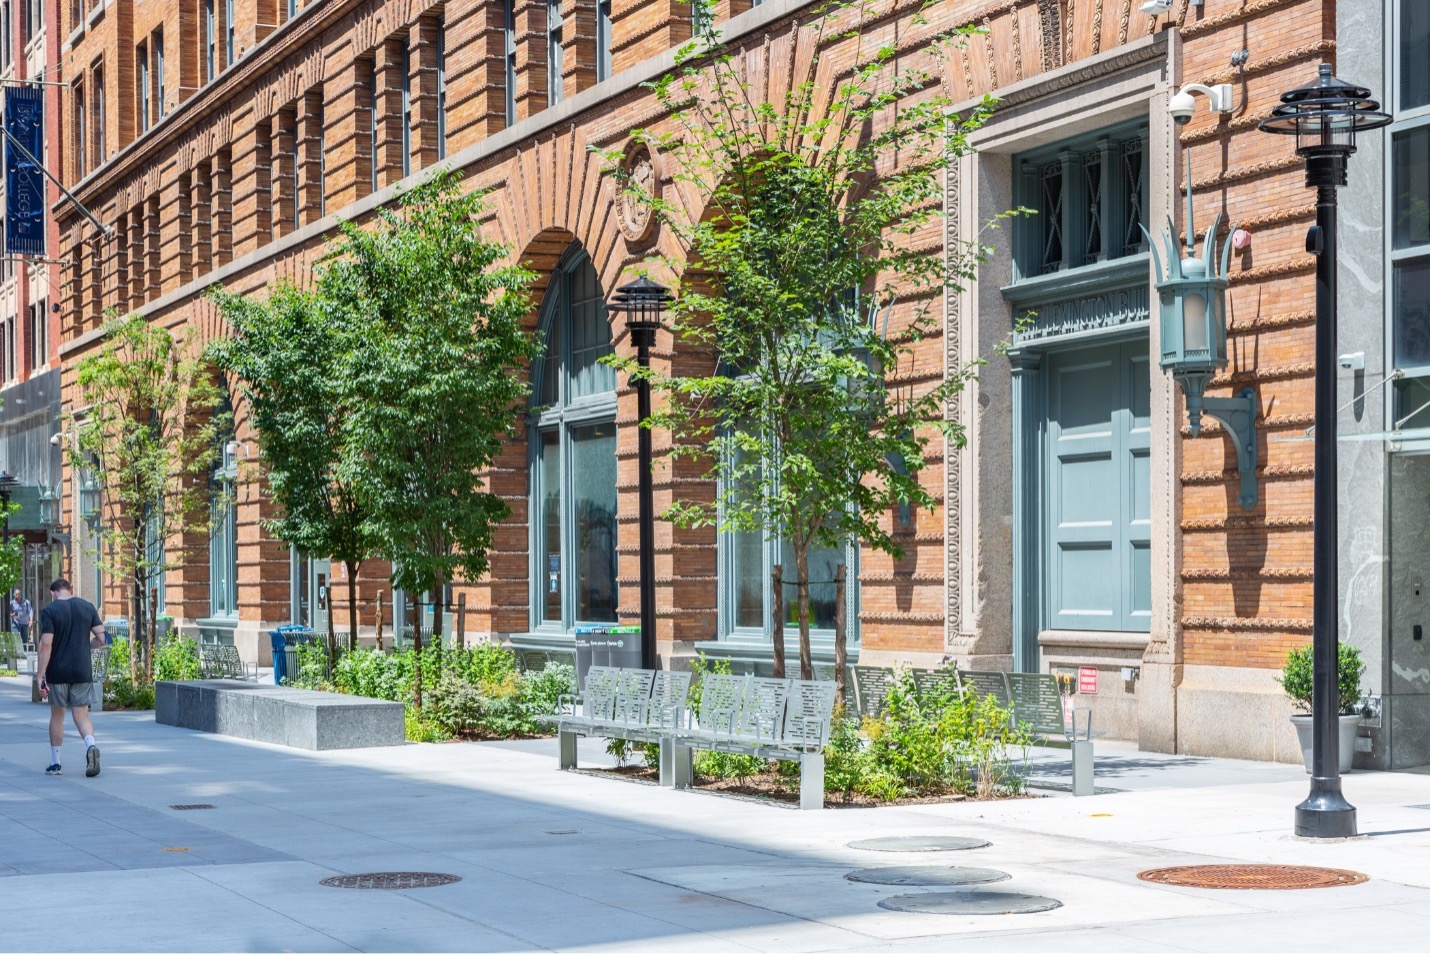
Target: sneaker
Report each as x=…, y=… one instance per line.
x=91, y=762
x=53, y=770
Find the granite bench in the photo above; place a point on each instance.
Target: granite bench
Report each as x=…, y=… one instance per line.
x=306, y=719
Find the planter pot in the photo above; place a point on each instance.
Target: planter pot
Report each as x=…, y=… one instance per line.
x=1349, y=725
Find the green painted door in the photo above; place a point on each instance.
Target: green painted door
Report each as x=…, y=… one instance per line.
x=1096, y=489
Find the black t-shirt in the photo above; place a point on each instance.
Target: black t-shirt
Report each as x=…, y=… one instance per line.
x=70, y=620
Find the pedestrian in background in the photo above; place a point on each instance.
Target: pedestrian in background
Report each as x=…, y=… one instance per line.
x=21, y=614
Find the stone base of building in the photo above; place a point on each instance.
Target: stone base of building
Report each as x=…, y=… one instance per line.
x=1234, y=712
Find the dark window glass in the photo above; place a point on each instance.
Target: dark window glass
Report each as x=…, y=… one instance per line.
x=554, y=52
x=1411, y=171
x=603, y=39
x=550, y=476
x=1414, y=54
x=1412, y=313
x=510, y=41
x=593, y=497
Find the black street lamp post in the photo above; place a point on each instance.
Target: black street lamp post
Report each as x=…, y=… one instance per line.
x=1325, y=117
x=8, y=483
x=643, y=301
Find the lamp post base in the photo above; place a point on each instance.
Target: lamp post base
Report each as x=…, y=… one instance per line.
x=1325, y=814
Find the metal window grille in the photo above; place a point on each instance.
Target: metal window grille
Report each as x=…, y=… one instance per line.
x=1051, y=176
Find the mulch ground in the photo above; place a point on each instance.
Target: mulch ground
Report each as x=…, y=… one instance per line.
x=769, y=786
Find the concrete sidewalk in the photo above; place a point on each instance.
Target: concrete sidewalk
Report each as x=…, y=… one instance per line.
x=552, y=860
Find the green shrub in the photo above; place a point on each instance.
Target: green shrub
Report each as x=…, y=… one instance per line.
x=9, y=645
x=544, y=689
x=724, y=766
x=621, y=749
x=421, y=728
x=1297, y=677
x=175, y=658
x=120, y=693
x=455, y=704
x=313, y=669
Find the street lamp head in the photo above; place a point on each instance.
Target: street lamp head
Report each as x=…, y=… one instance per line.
x=642, y=301
x=1325, y=117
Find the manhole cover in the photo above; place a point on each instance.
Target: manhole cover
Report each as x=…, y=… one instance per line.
x=389, y=881
x=970, y=903
x=191, y=806
x=1253, y=877
x=918, y=844
x=927, y=875
x=176, y=849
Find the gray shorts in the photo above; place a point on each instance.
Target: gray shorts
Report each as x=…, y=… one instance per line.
x=72, y=695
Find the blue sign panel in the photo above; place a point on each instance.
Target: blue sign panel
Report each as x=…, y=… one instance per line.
x=24, y=180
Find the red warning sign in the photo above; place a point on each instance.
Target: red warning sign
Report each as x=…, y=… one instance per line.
x=1087, y=680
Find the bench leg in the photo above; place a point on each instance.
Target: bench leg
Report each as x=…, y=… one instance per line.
x=667, y=762
x=1082, y=768
x=682, y=766
x=567, y=742
x=811, y=782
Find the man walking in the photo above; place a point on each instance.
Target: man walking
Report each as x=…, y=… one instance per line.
x=69, y=628
x=21, y=614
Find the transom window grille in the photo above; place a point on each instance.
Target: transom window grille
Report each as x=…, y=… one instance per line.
x=1089, y=198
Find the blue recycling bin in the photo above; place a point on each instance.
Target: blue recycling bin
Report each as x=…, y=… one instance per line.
x=283, y=638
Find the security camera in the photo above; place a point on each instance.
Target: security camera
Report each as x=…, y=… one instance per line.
x=1182, y=106
x=1155, y=7
x=55, y=439
x=1352, y=361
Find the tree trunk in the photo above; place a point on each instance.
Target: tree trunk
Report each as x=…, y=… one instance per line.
x=777, y=598
x=841, y=644
x=417, y=658
x=378, y=611
x=438, y=609
x=460, y=634
x=136, y=648
x=352, y=605
x=801, y=564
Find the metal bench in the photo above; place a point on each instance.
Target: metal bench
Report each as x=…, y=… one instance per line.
x=1037, y=705
x=984, y=683
x=221, y=661
x=943, y=682
x=777, y=719
x=632, y=704
x=871, y=686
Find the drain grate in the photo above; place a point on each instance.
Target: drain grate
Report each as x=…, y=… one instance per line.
x=191, y=806
x=980, y=903
x=1253, y=876
x=390, y=881
x=927, y=875
x=918, y=844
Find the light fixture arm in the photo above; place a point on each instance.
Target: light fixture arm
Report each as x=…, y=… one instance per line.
x=1219, y=97
x=1238, y=416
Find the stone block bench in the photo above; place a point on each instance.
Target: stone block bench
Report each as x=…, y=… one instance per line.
x=306, y=719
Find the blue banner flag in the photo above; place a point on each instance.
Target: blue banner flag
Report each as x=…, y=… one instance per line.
x=24, y=179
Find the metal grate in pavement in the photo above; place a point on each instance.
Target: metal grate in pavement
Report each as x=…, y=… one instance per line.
x=390, y=881
x=1253, y=876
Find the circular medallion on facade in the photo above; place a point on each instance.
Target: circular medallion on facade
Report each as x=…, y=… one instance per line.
x=640, y=183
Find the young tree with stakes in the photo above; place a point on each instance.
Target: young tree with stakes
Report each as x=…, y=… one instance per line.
x=151, y=426
x=434, y=381
x=808, y=288
x=287, y=355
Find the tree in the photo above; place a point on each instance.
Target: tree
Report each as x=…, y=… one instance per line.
x=809, y=288
x=287, y=354
x=151, y=430
x=434, y=380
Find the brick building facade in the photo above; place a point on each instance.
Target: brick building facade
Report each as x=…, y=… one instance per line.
x=224, y=139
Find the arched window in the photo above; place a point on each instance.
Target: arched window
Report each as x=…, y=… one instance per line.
x=223, y=523
x=573, y=454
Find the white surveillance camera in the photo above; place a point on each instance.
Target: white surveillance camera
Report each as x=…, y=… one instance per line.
x=55, y=439
x=1155, y=7
x=1352, y=361
x=1182, y=106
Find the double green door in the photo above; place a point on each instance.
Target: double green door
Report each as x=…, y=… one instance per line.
x=1096, y=489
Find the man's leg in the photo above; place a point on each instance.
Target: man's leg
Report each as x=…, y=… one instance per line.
x=85, y=727
x=57, y=736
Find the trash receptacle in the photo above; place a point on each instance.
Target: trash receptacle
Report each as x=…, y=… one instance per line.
x=623, y=645
x=285, y=656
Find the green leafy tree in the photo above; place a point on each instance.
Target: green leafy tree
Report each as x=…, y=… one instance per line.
x=287, y=353
x=434, y=378
x=809, y=288
x=150, y=427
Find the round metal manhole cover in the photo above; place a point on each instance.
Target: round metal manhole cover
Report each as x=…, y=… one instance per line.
x=927, y=875
x=970, y=903
x=919, y=844
x=1253, y=876
x=390, y=881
